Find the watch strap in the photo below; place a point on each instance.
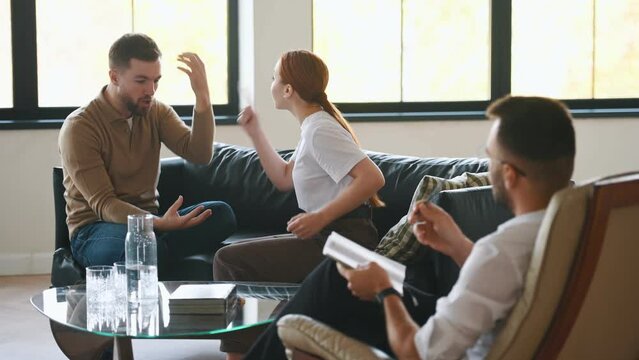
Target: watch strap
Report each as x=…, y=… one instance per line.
x=384, y=293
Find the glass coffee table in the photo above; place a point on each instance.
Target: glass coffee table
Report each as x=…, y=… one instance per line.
x=83, y=331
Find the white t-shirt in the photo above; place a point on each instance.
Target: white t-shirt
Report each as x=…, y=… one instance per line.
x=490, y=282
x=323, y=158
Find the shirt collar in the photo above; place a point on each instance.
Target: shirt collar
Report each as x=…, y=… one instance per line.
x=535, y=216
x=110, y=113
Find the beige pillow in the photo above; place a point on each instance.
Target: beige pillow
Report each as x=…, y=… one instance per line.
x=399, y=243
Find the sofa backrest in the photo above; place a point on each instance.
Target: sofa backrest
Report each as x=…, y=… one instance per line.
x=59, y=204
x=477, y=215
x=235, y=176
x=403, y=174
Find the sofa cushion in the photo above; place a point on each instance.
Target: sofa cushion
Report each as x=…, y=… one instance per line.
x=314, y=337
x=399, y=243
x=477, y=215
x=404, y=173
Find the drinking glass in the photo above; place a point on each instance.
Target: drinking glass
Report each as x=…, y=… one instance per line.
x=100, y=297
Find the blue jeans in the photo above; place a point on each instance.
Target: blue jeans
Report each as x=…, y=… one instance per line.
x=102, y=243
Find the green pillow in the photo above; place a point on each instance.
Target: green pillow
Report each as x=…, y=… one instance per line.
x=399, y=243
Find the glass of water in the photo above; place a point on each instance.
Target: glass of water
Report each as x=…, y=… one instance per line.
x=99, y=284
x=100, y=297
x=119, y=286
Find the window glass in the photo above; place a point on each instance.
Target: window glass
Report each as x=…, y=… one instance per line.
x=360, y=41
x=552, y=50
x=6, y=67
x=411, y=50
x=74, y=37
x=446, y=50
x=616, y=49
x=178, y=26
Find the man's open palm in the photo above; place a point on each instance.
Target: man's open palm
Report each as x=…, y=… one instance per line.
x=172, y=220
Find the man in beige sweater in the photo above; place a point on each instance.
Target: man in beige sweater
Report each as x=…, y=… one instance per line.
x=110, y=152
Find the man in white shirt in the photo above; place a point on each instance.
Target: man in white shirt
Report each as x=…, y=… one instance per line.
x=531, y=147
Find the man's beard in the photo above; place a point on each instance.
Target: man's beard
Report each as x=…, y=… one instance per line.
x=501, y=195
x=135, y=108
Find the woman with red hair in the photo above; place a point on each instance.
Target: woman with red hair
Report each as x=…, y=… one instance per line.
x=335, y=182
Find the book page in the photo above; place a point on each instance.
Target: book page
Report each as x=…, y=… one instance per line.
x=202, y=291
x=353, y=255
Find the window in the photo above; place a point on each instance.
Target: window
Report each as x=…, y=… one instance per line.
x=71, y=40
x=591, y=54
x=352, y=56
x=6, y=69
x=418, y=56
x=404, y=51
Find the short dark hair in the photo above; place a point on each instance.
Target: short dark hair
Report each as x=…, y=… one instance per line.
x=534, y=128
x=132, y=46
x=538, y=131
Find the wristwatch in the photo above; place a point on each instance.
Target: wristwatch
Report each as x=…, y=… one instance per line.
x=384, y=293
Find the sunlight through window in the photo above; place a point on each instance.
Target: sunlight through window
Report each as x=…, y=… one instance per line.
x=74, y=37
x=411, y=50
x=590, y=54
x=6, y=67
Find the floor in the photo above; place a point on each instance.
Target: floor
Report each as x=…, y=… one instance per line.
x=25, y=333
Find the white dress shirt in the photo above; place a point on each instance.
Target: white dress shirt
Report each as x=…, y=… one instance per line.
x=490, y=282
x=323, y=158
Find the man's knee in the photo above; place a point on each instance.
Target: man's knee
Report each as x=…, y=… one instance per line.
x=105, y=251
x=99, y=244
x=221, y=210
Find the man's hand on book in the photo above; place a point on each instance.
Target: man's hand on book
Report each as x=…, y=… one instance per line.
x=365, y=281
x=434, y=227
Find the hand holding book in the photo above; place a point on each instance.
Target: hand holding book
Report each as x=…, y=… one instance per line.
x=354, y=255
x=366, y=281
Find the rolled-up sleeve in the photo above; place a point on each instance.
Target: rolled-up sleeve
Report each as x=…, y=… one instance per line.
x=195, y=143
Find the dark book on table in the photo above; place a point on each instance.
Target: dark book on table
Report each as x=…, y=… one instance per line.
x=202, y=299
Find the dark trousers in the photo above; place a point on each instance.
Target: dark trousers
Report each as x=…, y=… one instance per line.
x=286, y=259
x=324, y=296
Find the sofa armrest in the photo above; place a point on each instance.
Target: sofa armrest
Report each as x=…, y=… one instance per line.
x=65, y=270
x=299, y=332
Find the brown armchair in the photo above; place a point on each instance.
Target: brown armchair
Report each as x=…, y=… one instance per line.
x=581, y=296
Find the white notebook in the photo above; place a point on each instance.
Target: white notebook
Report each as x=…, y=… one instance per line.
x=353, y=255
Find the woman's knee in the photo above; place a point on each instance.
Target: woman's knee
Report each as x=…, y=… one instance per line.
x=223, y=263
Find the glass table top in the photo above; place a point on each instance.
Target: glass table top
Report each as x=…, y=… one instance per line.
x=257, y=303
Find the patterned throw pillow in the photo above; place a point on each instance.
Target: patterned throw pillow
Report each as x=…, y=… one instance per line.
x=399, y=243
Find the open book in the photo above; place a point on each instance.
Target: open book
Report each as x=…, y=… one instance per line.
x=353, y=255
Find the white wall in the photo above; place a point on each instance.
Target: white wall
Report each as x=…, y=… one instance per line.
x=604, y=146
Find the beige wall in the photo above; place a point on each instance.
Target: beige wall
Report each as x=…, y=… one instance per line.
x=604, y=146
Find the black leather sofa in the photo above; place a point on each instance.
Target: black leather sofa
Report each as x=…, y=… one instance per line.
x=235, y=176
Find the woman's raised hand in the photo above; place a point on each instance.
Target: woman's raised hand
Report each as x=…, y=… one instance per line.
x=248, y=120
